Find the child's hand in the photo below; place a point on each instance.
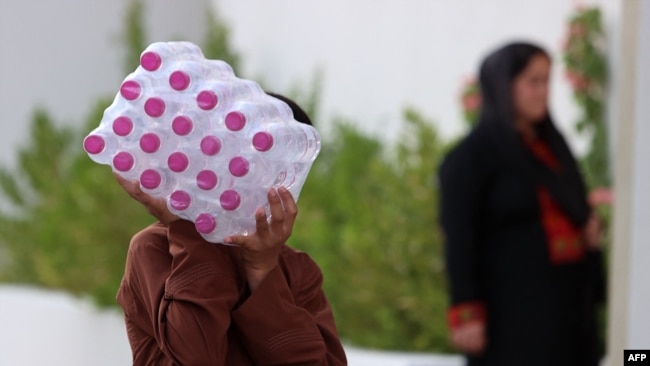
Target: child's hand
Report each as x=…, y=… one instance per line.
x=260, y=251
x=157, y=207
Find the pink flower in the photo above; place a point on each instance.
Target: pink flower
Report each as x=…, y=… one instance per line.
x=578, y=81
x=469, y=81
x=577, y=29
x=601, y=196
x=471, y=102
x=470, y=95
x=564, y=43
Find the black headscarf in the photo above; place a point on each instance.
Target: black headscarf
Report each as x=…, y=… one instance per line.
x=497, y=119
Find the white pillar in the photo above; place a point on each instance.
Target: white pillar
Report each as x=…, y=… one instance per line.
x=629, y=286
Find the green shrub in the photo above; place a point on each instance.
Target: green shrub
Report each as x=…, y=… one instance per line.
x=368, y=215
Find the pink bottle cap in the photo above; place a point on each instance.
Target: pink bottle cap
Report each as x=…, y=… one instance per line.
x=205, y=223
x=178, y=162
x=130, y=90
x=123, y=161
x=149, y=142
x=263, y=141
x=154, y=107
x=238, y=166
x=230, y=200
x=182, y=125
x=122, y=126
x=179, y=80
x=150, y=179
x=150, y=61
x=210, y=145
x=94, y=144
x=207, y=100
x=179, y=200
x=206, y=180
x=235, y=121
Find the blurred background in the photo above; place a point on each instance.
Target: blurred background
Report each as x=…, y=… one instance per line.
x=391, y=86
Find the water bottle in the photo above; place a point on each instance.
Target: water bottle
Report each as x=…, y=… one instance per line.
x=100, y=146
x=209, y=143
x=277, y=140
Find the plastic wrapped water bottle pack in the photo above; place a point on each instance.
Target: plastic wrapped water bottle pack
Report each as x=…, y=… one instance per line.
x=211, y=144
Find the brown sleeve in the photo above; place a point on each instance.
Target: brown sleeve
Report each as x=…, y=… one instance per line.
x=199, y=294
x=147, y=266
x=281, y=329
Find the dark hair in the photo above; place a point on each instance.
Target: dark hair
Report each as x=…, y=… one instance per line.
x=298, y=113
x=496, y=76
x=496, y=120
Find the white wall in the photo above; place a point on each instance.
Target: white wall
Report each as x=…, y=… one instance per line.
x=381, y=55
x=45, y=327
x=65, y=54
x=377, y=55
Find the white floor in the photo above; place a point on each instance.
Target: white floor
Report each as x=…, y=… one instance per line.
x=39, y=327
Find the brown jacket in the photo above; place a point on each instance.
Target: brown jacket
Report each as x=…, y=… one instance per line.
x=186, y=302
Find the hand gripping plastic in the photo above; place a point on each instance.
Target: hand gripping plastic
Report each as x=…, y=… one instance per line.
x=209, y=143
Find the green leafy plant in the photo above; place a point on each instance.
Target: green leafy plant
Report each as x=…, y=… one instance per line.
x=586, y=71
x=367, y=216
x=470, y=99
x=370, y=220
x=133, y=37
x=68, y=223
x=217, y=41
x=73, y=223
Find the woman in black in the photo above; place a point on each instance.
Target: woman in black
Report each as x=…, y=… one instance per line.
x=521, y=247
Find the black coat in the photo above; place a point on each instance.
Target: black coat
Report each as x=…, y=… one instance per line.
x=496, y=252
